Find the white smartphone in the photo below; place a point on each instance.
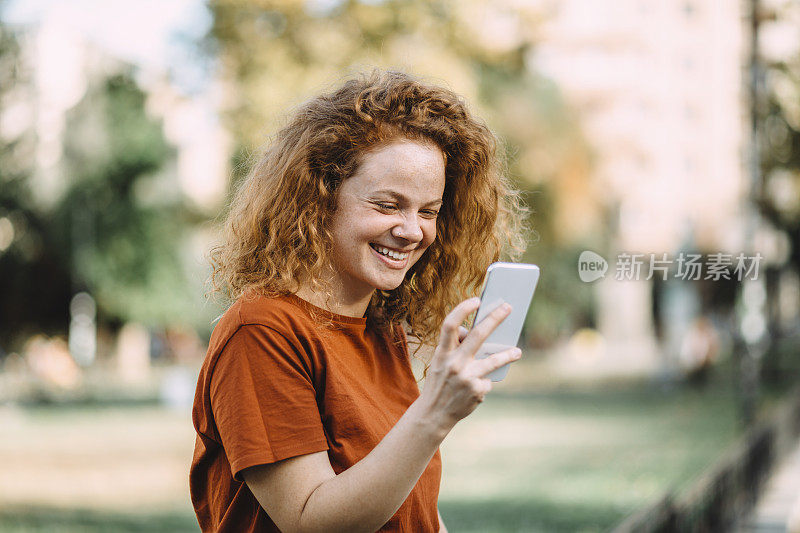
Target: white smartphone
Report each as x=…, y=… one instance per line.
x=513, y=283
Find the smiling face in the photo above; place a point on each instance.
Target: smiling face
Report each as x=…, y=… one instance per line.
x=385, y=218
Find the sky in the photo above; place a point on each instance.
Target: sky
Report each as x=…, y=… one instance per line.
x=151, y=33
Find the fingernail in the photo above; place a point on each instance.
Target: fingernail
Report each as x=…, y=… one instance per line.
x=517, y=353
x=507, y=307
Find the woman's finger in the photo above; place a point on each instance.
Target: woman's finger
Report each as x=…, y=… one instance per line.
x=481, y=367
x=450, y=338
x=482, y=330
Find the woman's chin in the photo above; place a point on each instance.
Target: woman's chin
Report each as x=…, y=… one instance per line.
x=388, y=285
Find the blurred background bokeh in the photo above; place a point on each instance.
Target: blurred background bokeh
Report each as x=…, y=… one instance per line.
x=631, y=126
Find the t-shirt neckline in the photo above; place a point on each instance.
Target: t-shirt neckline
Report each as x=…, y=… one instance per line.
x=328, y=315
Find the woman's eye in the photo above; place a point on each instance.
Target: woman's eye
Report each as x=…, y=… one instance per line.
x=427, y=213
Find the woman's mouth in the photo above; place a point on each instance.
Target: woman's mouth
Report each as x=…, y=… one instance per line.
x=391, y=258
x=388, y=252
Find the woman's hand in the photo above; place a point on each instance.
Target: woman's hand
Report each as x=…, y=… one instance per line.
x=456, y=382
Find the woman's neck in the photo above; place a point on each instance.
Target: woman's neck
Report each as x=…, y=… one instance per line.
x=339, y=304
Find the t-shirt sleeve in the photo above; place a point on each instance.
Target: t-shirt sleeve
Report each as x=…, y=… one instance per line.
x=263, y=400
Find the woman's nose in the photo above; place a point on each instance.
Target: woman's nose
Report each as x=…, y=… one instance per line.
x=409, y=230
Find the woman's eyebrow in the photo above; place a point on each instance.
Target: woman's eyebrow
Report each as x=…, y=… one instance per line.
x=401, y=198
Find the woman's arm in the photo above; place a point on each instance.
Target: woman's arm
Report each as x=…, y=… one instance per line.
x=304, y=494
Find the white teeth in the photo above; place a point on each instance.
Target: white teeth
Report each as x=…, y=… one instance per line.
x=391, y=253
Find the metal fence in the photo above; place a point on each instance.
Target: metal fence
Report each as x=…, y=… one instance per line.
x=728, y=490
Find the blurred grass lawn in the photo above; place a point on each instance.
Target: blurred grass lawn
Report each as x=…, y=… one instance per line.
x=556, y=461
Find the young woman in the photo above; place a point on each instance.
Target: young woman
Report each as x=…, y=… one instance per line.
x=375, y=212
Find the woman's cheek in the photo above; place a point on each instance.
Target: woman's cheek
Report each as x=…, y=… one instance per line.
x=430, y=235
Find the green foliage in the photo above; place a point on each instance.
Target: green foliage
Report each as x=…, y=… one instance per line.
x=780, y=153
x=34, y=283
x=123, y=214
x=117, y=226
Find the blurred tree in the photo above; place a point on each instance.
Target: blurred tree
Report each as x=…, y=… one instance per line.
x=119, y=229
x=779, y=196
x=273, y=54
x=34, y=282
x=123, y=214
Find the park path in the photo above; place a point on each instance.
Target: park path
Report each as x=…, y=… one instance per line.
x=778, y=508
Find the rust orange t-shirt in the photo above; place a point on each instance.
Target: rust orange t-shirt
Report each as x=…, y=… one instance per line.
x=275, y=385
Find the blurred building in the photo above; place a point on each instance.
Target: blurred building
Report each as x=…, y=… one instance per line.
x=659, y=89
x=658, y=86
